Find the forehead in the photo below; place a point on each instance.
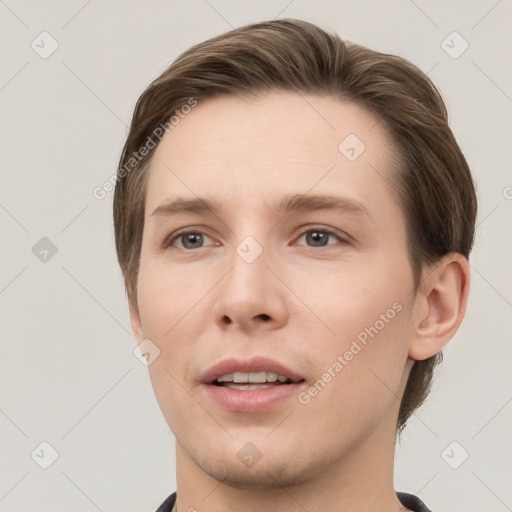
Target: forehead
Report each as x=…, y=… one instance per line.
x=254, y=151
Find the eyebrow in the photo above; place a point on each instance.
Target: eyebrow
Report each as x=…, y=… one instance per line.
x=289, y=203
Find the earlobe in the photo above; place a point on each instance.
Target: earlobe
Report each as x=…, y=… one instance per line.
x=443, y=297
x=136, y=323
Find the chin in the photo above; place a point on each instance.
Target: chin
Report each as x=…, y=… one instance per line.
x=264, y=475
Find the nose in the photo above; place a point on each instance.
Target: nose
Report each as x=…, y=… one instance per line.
x=250, y=296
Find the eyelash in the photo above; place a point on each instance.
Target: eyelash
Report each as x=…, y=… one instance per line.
x=175, y=236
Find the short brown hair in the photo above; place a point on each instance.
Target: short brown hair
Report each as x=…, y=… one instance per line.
x=433, y=180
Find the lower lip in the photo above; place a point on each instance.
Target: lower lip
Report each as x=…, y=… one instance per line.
x=251, y=401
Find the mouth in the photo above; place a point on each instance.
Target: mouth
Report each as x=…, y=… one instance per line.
x=250, y=386
x=250, y=381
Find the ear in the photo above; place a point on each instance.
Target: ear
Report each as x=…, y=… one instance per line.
x=136, y=323
x=440, y=305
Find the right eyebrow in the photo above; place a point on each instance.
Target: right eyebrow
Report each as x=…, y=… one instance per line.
x=179, y=205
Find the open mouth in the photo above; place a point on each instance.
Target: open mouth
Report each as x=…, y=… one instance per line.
x=251, y=386
x=252, y=381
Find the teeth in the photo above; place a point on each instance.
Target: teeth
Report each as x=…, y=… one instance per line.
x=225, y=378
x=258, y=377
x=254, y=377
x=245, y=387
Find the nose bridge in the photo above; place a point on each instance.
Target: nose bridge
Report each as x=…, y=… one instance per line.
x=250, y=250
x=249, y=292
x=250, y=242
x=248, y=264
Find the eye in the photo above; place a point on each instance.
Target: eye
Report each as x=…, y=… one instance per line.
x=189, y=239
x=194, y=239
x=319, y=236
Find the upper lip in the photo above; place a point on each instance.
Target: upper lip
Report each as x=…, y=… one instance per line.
x=253, y=365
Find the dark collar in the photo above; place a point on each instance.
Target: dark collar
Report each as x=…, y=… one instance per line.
x=407, y=500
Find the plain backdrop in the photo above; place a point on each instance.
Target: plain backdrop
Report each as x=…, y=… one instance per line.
x=69, y=378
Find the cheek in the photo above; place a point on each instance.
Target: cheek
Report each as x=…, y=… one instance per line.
x=169, y=296
x=360, y=359
x=363, y=300
x=359, y=372
x=173, y=316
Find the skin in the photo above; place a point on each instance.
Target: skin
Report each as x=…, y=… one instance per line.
x=299, y=302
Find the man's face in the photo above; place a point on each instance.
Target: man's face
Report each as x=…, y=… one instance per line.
x=319, y=295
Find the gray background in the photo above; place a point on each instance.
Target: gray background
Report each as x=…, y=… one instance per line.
x=68, y=374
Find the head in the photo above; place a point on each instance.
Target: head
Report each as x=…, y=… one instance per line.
x=247, y=120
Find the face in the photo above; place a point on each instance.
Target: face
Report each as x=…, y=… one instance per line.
x=318, y=292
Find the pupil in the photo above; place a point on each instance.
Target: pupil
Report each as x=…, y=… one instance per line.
x=318, y=236
x=194, y=238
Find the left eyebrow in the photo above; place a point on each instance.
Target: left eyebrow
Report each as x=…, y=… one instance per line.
x=294, y=202
x=314, y=202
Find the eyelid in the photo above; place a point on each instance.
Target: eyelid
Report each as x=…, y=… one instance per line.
x=341, y=236
x=175, y=235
